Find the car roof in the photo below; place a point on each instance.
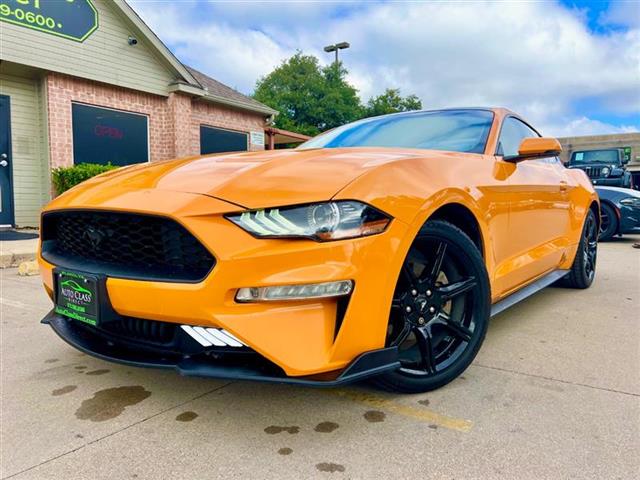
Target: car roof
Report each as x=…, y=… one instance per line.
x=447, y=109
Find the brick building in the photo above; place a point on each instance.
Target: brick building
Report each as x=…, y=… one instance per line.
x=88, y=82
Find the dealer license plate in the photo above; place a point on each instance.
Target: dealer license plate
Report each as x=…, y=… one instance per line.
x=77, y=296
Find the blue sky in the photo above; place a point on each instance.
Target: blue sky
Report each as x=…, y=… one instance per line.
x=569, y=66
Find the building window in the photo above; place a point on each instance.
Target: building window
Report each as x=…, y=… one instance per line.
x=103, y=135
x=217, y=140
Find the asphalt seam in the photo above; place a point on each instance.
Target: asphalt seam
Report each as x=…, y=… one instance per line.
x=197, y=397
x=558, y=380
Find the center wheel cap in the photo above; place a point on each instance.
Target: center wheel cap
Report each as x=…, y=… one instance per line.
x=421, y=305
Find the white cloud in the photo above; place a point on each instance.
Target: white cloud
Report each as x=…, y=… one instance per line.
x=585, y=126
x=538, y=58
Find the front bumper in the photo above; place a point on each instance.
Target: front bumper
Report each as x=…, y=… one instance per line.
x=301, y=337
x=629, y=219
x=214, y=363
x=608, y=181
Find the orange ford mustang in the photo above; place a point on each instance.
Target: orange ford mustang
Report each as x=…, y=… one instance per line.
x=379, y=249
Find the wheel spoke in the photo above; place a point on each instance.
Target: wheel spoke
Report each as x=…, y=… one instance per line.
x=592, y=230
x=409, y=275
x=453, y=290
x=423, y=339
x=456, y=328
x=402, y=336
x=437, y=262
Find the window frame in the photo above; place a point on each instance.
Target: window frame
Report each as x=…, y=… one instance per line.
x=504, y=120
x=242, y=132
x=120, y=110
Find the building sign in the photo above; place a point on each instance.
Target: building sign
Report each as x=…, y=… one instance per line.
x=71, y=19
x=257, y=138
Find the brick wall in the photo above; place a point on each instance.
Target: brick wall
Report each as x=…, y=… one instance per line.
x=174, y=122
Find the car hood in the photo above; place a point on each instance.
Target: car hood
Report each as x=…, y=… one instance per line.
x=256, y=179
x=617, y=192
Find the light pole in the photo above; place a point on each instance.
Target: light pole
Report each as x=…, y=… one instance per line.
x=336, y=47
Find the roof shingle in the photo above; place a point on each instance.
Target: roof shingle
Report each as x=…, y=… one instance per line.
x=218, y=89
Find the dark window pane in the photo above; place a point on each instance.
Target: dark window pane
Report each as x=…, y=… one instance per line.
x=106, y=136
x=216, y=140
x=512, y=133
x=453, y=130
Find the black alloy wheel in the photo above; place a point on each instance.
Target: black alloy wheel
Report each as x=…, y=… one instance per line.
x=590, y=246
x=583, y=270
x=608, y=222
x=440, y=310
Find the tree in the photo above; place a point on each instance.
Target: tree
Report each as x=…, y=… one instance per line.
x=390, y=102
x=310, y=99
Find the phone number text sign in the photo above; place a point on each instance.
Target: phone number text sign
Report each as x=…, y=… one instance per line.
x=70, y=19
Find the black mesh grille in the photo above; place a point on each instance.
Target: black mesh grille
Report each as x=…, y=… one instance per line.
x=143, y=330
x=124, y=245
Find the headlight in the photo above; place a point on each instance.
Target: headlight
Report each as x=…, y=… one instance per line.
x=631, y=202
x=318, y=221
x=606, y=171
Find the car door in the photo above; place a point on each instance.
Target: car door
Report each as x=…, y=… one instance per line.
x=538, y=211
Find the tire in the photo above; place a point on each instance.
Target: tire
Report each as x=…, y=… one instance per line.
x=608, y=222
x=440, y=311
x=583, y=270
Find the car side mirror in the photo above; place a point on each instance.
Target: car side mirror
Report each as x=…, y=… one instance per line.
x=535, y=147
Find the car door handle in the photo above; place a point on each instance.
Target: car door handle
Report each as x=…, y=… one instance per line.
x=564, y=186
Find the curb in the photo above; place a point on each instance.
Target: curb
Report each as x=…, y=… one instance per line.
x=12, y=260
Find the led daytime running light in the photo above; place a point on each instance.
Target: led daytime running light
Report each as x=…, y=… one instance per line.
x=294, y=292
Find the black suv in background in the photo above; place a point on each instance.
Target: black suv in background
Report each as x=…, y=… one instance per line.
x=603, y=167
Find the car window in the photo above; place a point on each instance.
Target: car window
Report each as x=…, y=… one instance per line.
x=512, y=133
x=596, y=156
x=453, y=130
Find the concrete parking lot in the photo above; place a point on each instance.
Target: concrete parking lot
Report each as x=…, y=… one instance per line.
x=554, y=393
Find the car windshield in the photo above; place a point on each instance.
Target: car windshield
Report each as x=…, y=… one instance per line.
x=453, y=130
x=596, y=156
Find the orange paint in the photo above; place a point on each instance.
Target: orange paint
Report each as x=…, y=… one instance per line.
x=530, y=216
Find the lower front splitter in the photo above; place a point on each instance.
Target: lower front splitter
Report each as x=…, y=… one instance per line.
x=366, y=365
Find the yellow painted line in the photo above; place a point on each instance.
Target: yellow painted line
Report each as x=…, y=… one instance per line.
x=423, y=414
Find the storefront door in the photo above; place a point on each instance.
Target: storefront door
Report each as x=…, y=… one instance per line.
x=6, y=187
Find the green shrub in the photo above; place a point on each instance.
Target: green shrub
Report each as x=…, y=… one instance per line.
x=64, y=178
